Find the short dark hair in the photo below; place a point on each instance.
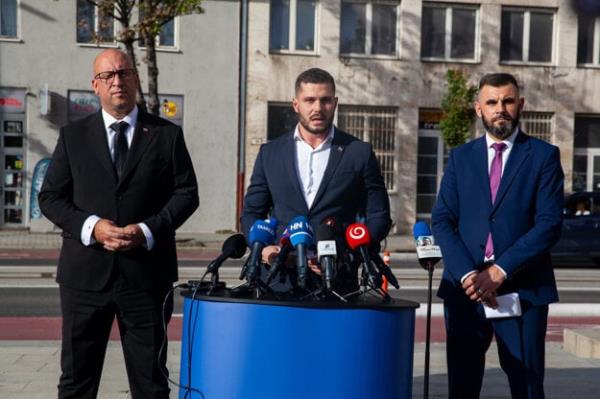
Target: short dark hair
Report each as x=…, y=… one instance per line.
x=497, y=80
x=315, y=75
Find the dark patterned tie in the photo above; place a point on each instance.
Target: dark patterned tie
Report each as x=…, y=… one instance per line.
x=495, y=176
x=121, y=147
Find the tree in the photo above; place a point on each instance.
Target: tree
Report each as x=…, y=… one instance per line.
x=457, y=109
x=153, y=15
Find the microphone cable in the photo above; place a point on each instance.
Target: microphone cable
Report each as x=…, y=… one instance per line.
x=188, y=388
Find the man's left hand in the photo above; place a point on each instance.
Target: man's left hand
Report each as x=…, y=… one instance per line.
x=135, y=237
x=485, y=283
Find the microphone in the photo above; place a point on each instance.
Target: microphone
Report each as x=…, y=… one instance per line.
x=286, y=248
x=326, y=252
x=358, y=238
x=261, y=234
x=427, y=252
x=301, y=238
x=385, y=270
x=234, y=247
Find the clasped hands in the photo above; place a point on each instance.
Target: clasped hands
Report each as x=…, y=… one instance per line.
x=482, y=286
x=115, y=238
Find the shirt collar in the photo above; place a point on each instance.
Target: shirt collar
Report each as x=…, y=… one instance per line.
x=509, y=141
x=130, y=118
x=328, y=139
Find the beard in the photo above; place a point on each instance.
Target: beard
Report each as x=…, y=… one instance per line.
x=320, y=130
x=503, y=131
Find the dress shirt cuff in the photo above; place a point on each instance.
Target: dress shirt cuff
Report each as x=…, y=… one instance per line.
x=148, y=234
x=87, y=231
x=463, y=278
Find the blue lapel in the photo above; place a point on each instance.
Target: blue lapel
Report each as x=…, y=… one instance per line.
x=480, y=169
x=289, y=161
x=518, y=154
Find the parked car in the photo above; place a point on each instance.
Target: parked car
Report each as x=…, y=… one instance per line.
x=579, y=241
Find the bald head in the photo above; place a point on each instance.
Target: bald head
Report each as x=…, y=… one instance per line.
x=115, y=82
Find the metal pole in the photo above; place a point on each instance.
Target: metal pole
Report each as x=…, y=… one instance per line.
x=428, y=332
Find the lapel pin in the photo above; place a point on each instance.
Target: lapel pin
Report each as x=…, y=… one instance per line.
x=340, y=148
x=145, y=130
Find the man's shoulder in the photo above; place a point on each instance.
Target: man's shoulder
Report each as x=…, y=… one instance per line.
x=536, y=144
x=84, y=122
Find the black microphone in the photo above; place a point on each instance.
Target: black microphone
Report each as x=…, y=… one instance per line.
x=234, y=247
x=427, y=252
x=385, y=269
x=327, y=252
x=286, y=248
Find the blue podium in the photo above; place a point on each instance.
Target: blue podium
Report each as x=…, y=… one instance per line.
x=247, y=349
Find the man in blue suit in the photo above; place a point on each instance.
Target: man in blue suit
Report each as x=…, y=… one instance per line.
x=317, y=170
x=498, y=213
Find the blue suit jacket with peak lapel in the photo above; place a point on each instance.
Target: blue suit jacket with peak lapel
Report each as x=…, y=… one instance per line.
x=525, y=220
x=352, y=184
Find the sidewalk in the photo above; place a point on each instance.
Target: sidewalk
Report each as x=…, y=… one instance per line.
x=30, y=369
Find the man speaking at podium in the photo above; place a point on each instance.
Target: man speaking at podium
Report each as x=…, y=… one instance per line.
x=119, y=184
x=498, y=213
x=317, y=170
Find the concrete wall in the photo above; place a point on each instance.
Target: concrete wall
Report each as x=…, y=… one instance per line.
x=204, y=69
x=410, y=84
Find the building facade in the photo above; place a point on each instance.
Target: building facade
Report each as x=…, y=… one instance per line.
x=46, y=53
x=390, y=60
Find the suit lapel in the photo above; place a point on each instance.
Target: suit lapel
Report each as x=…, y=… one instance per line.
x=99, y=143
x=143, y=135
x=338, y=145
x=482, y=177
x=518, y=154
x=291, y=170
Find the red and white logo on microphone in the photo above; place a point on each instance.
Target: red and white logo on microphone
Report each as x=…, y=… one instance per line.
x=357, y=235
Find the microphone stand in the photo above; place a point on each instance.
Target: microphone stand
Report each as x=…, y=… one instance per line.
x=430, y=269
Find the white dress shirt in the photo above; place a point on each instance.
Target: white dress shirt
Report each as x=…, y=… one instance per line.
x=311, y=164
x=89, y=224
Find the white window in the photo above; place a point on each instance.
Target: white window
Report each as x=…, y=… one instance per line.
x=93, y=26
x=293, y=26
x=166, y=38
x=8, y=18
x=449, y=32
x=527, y=35
x=375, y=125
x=369, y=27
x=538, y=124
x=588, y=39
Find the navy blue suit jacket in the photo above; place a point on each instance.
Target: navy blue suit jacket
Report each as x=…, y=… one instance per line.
x=525, y=220
x=352, y=184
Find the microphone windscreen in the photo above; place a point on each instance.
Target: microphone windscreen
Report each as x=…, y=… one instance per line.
x=235, y=246
x=300, y=231
x=262, y=231
x=357, y=235
x=325, y=233
x=421, y=229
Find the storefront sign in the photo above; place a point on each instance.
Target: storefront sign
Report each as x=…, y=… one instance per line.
x=12, y=101
x=82, y=103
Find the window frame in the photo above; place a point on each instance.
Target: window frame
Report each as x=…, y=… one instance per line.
x=595, y=46
x=526, y=35
x=108, y=44
x=164, y=48
x=369, y=30
x=17, y=37
x=292, y=31
x=448, y=33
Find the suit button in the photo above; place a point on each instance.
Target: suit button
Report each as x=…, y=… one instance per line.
x=493, y=220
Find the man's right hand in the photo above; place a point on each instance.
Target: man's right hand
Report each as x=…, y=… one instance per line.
x=113, y=238
x=269, y=253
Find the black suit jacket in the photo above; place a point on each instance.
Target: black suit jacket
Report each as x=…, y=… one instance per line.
x=352, y=185
x=158, y=187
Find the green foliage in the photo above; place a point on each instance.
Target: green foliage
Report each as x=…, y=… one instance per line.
x=457, y=107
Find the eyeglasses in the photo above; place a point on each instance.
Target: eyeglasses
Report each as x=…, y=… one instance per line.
x=109, y=76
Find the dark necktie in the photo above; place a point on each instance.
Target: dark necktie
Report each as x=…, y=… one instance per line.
x=495, y=176
x=121, y=147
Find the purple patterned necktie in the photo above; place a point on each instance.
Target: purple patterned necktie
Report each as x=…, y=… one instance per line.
x=495, y=176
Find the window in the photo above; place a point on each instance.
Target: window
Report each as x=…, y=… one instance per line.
x=375, y=125
x=368, y=27
x=449, y=32
x=281, y=120
x=166, y=36
x=538, y=125
x=527, y=35
x=92, y=25
x=8, y=18
x=586, y=153
x=588, y=39
x=293, y=26
x=432, y=155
